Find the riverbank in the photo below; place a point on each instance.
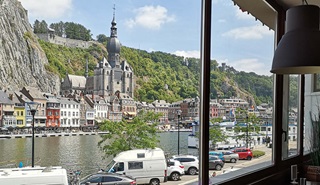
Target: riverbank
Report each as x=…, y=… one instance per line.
x=12, y=136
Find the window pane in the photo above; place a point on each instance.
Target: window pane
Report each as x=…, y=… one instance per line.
x=241, y=87
x=290, y=126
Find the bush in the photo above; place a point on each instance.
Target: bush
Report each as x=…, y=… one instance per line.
x=258, y=153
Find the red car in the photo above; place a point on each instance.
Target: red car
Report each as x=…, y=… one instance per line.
x=244, y=153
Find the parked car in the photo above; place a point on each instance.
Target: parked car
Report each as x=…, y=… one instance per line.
x=107, y=178
x=190, y=163
x=175, y=169
x=244, y=153
x=230, y=156
x=215, y=163
x=219, y=154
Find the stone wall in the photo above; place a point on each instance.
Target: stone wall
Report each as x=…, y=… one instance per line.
x=64, y=41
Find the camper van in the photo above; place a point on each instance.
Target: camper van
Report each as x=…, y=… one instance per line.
x=147, y=166
x=36, y=175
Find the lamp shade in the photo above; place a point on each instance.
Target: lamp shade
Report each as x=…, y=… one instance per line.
x=298, y=51
x=33, y=106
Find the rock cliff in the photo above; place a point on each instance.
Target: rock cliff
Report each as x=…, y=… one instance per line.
x=22, y=61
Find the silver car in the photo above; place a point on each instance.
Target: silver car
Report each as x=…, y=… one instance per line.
x=230, y=156
x=107, y=178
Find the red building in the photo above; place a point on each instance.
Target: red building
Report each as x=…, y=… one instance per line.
x=52, y=111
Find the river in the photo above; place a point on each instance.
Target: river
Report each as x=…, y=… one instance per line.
x=75, y=152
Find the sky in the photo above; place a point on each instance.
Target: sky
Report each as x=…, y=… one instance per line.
x=170, y=26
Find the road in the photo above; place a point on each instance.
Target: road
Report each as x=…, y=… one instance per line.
x=186, y=179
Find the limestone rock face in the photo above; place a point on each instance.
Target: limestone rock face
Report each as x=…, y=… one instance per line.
x=22, y=61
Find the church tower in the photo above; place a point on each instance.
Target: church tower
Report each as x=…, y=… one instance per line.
x=113, y=75
x=114, y=46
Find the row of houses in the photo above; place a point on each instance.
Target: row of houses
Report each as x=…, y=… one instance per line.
x=84, y=110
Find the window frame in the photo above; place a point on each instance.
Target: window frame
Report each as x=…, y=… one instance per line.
x=279, y=166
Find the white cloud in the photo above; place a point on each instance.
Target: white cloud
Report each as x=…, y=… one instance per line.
x=251, y=32
x=151, y=17
x=192, y=54
x=250, y=65
x=48, y=8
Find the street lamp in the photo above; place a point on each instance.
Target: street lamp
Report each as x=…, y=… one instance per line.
x=179, y=114
x=247, y=134
x=33, y=106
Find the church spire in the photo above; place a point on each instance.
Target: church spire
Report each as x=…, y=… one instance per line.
x=113, y=23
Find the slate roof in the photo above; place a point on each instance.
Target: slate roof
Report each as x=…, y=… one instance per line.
x=4, y=99
x=77, y=81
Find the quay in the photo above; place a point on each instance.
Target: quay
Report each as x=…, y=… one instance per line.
x=12, y=136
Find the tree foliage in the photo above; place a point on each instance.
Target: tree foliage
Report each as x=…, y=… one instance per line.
x=245, y=131
x=64, y=60
x=215, y=135
x=140, y=133
x=40, y=27
x=102, y=38
x=69, y=30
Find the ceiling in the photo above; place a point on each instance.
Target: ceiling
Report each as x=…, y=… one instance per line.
x=263, y=12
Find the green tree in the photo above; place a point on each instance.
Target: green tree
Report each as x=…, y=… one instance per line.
x=58, y=28
x=141, y=132
x=102, y=38
x=40, y=27
x=244, y=131
x=36, y=26
x=215, y=135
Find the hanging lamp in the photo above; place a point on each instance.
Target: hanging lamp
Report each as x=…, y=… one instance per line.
x=298, y=51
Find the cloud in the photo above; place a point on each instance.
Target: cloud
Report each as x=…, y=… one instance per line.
x=48, y=8
x=151, y=17
x=191, y=54
x=250, y=32
x=249, y=65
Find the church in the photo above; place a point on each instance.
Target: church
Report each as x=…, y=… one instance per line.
x=113, y=80
x=111, y=76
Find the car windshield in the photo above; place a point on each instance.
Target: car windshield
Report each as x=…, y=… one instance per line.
x=110, y=165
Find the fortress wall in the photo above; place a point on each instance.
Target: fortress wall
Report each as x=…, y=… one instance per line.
x=64, y=41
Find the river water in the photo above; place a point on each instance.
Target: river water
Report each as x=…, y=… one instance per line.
x=75, y=152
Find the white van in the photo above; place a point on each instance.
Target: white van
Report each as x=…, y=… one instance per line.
x=34, y=176
x=147, y=166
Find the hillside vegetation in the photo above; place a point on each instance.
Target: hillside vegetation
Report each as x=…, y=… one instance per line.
x=161, y=75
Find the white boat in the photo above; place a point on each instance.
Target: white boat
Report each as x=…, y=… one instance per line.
x=35, y=175
x=180, y=130
x=193, y=141
x=227, y=128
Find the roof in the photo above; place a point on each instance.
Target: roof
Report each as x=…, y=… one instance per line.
x=4, y=99
x=35, y=93
x=77, y=81
x=137, y=154
x=67, y=101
